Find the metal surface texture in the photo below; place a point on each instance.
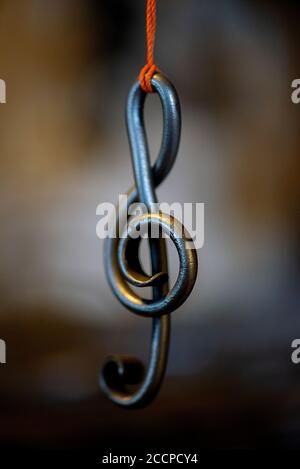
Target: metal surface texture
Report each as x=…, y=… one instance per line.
x=123, y=379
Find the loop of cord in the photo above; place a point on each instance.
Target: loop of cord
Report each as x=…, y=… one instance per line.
x=150, y=68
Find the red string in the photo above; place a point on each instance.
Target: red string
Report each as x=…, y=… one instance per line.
x=150, y=68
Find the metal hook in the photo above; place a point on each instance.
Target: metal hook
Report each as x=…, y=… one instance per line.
x=122, y=265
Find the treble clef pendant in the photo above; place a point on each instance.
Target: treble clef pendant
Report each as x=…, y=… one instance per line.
x=123, y=379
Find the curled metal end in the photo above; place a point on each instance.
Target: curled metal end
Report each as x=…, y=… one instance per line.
x=130, y=265
x=119, y=372
x=119, y=378
x=123, y=379
x=124, y=268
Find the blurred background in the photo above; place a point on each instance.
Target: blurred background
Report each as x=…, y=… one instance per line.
x=68, y=67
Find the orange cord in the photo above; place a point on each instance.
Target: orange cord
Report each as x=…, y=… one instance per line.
x=150, y=68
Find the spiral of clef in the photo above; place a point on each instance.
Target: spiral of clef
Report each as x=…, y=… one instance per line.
x=123, y=379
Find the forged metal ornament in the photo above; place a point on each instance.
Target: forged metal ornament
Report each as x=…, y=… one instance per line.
x=123, y=379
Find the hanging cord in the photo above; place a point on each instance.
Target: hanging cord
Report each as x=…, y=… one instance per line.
x=150, y=68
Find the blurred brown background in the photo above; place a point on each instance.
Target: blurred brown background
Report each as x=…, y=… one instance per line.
x=68, y=66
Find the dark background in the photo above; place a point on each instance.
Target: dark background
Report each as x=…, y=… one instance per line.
x=68, y=66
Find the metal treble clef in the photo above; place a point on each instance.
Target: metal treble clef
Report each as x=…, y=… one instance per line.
x=122, y=378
